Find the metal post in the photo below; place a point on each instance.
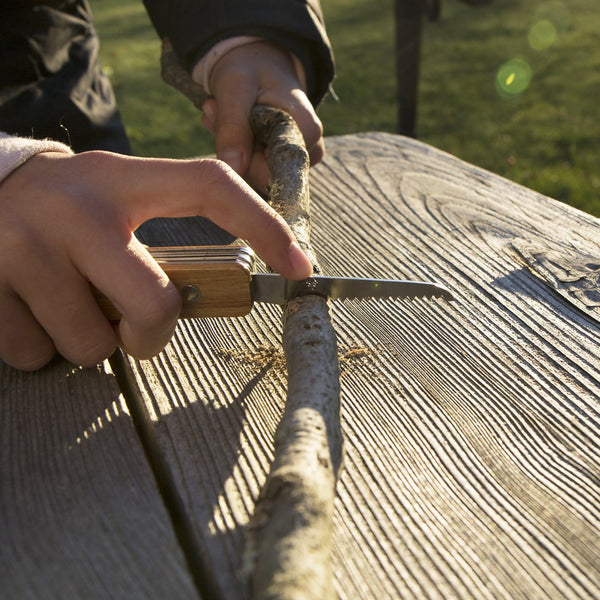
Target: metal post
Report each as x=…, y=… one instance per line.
x=409, y=19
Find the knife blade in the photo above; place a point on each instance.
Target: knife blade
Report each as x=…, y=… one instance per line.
x=277, y=290
x=218, y=281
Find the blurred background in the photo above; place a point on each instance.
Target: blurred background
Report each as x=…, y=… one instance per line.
x=512, y=86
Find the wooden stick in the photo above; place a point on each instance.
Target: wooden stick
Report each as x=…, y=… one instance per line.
x=289, y=541
x=290, y=537
x=289, y=165
x=176, y=76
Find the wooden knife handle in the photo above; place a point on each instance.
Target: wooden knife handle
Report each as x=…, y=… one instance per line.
x=214, y=281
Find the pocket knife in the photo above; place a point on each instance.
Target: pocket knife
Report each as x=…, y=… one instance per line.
x=218, y=281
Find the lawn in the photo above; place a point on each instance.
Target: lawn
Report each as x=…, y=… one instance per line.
x=512, y=86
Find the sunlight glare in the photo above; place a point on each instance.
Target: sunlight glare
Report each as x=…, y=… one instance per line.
x=556, y=12
x=513, y=77
x=542, y=34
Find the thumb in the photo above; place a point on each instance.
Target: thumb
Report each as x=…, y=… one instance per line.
x=233, y=138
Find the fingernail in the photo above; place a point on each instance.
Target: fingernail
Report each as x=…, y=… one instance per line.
x=301, y=266
x=233, y=158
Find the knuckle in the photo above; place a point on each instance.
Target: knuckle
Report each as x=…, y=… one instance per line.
x=211, y=172
x=229, y=75
x=16, y=243
x=23, y=344
x=231, y=122
x=314, y=131
x=150, y=331
x=316, y=154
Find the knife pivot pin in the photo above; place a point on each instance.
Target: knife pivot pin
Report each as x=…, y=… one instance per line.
x=190, y=293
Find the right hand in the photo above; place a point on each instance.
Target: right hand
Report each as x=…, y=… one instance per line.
x=257, y=73
x=68, y=223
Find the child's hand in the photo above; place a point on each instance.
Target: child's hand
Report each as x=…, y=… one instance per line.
x=67, y=224
x=256, y=73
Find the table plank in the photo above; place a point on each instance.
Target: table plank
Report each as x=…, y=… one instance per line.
x=488, y=483
x=81, y=516
x=472, y=428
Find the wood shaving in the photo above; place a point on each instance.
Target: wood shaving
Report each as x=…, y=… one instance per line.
x=257, y=359
x=352, y=356
x=271, y=356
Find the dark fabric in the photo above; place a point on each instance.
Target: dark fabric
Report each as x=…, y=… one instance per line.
x=51, y=85
x=193, y=26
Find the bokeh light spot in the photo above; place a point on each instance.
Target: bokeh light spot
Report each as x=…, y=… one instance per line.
x=542, y=34
x=555, y=11
x=513, y=77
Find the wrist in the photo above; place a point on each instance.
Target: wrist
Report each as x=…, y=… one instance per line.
x=203, y=69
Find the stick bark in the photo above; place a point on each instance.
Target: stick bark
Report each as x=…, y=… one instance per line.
x=290, y=537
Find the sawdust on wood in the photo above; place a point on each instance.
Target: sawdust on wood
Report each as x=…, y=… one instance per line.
x=271, y=356
x=258, y=358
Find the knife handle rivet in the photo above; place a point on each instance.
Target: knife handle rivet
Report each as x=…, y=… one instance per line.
x=190, y=293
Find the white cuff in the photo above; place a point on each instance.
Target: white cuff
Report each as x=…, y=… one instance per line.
x=14, y=151
x=203, y=69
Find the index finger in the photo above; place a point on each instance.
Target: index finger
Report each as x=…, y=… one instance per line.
x=148, y=188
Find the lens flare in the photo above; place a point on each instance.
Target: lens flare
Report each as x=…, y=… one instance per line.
x=555, y=11
x=513, y=77
x=542, y=34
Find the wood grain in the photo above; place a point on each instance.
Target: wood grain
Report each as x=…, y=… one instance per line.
x=472, y=464
x=80, y=515
x=472, y=456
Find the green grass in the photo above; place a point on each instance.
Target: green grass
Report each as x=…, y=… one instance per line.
x=547, y=137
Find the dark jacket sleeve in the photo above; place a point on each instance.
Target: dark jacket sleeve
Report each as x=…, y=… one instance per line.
x=194, y=26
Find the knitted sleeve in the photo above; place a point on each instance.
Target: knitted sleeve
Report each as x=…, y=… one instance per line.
x=14, y=151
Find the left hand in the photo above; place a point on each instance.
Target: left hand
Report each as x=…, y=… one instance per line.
x=68, y=221
x=256, y=73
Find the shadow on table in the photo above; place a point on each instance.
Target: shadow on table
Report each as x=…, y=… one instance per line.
x=575, y=301
x=214, y=451
x=78, y=500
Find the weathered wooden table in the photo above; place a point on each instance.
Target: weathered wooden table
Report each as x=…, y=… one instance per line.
x=472, y=428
